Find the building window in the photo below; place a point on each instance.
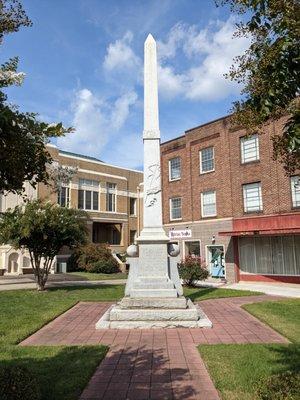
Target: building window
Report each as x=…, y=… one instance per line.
x=295, y=188
x=270, y=255
x=132, y=206
x=175, y=208
x=252, y=197
x=88, y=194
x=192, y=248
x=174, y=169
x=132, y=236
x=88, y=200
x=207, y=163
x=95, y=201
x=111, y=197
x=63, y=196
x=89, y=183
x=208, y=204
x=249, y=149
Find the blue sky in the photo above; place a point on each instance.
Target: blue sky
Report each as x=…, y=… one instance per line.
x=83, y=62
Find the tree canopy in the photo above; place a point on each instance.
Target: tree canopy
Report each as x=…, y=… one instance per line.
x=23, y=155
x=269, y=72
x=43, y=229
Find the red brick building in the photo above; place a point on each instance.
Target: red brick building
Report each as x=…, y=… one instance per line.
x=227, y=200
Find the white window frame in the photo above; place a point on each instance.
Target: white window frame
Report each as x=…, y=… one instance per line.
x=170, y=170
x=295, y=191
x=92, y=200
x=170, y=208
x=200, y=156
x=202, y=203
x=190, y=240
x=114, y=193
x=260, y=198
x=68, y=196
x=243, y=140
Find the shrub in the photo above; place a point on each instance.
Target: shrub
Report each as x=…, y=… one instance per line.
x=191, y=270
x=96, y=258
x=285, y=386
x=103, y=267
x=72, y=262
x=17, y=383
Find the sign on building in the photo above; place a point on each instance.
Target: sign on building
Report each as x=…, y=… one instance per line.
x=180, y=234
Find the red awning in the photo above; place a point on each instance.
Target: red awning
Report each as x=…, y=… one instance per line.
x=274, y=231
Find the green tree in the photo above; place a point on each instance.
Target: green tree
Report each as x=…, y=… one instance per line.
x=23, y=156
x=43, y=229
x=269, y=72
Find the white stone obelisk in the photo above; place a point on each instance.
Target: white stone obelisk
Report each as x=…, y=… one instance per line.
x=153, y=294
x=153, y=229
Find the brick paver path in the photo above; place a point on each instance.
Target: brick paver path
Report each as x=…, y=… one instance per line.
x=155, y=363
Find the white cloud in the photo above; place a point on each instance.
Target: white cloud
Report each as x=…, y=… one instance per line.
x=209, y=54
x=121, y=109
x=95, y=121
x=192, y=63
x=120, y=54
x=170, y=83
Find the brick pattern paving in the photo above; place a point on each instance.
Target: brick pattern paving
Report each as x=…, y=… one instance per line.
x=155, y=364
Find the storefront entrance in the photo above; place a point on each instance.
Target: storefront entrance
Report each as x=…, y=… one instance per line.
x=215, y=261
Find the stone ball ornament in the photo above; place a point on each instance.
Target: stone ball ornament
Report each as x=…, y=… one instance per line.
x=132, y=250
x=173, y=249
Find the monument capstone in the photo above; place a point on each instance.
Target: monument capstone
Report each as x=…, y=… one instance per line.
x=153, y=294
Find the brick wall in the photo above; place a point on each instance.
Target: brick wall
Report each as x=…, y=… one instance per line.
x=229, y=175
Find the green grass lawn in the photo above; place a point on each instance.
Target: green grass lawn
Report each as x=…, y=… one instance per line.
x=198, y=294
x=90, y=276
x=62, y=371
x=283, y=316
x=236, y=369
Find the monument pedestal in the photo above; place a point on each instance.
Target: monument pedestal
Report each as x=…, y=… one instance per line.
x=153, y=295
x=160, y=313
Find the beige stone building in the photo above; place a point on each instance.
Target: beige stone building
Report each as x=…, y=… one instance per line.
x=109, y=194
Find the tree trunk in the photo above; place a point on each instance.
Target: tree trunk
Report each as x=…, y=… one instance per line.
x=40, y=283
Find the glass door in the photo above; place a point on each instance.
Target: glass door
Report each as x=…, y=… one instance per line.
x=216, y=261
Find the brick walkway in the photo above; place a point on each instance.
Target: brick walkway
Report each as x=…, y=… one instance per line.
x=155, y=364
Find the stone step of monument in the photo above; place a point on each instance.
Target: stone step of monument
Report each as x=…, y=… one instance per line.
x=150, y=286
x=168, y=303
x=147, y=314
x=168, y=324
x=153, y=280
x=150, y=292
x=117, y=318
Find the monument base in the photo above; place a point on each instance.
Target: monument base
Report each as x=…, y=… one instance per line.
x=131, y=313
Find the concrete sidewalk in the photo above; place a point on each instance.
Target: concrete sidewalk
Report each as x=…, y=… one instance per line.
x=32, y=285
x=275, y=289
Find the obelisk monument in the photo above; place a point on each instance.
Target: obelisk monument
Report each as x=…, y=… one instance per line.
x=153, y=294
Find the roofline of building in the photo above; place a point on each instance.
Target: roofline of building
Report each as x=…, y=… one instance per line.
x=196, y=127
x=95, y=161
x=70, y=153
x=89, y=159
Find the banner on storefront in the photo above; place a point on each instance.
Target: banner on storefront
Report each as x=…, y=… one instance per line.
x=180, y=234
